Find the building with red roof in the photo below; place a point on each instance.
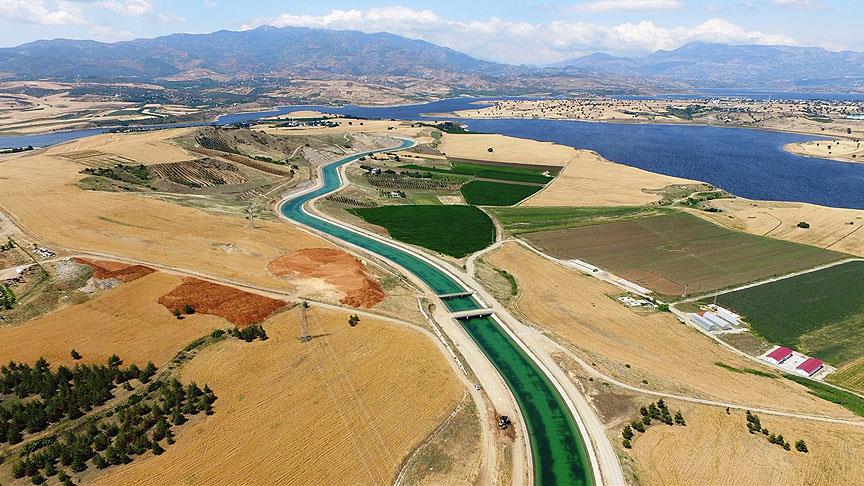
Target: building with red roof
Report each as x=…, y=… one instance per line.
x=810, y=366
x=779, y=355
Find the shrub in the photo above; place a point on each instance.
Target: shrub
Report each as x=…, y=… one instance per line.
x=800, y=446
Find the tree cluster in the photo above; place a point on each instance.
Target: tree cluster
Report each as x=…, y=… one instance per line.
x=7, y=297
x=658, y=412
x=250, y=333
x=45, y=397
x=139, y=425
x=754, y=425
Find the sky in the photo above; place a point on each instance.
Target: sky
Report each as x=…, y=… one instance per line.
x=518, y=32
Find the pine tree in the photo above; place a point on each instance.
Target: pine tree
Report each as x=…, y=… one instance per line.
x=156, y=448
x=75, y=355
x=800, y=446
x=679, y=419
x=627, y=433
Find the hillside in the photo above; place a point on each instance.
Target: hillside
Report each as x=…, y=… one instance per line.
x=265, y=51
x=709, y=65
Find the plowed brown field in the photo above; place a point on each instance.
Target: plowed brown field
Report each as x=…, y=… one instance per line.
x=345, y=408
x=335, y=267
x=125, y=320
x=237, y=306
x=104, y=269
x=671, y=356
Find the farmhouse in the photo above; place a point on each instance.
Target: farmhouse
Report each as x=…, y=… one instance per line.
x=778, y=355
x=809, y=367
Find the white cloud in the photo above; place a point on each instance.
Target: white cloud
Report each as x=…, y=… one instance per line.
x=138, y=8
x=37, y=12
x=107, y=34
x=626, y=5
x=133, y=8
x=522, y=42
x=802, y=4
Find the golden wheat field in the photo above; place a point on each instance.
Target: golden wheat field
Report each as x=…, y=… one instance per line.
x=591, y=180
x=346, y=408
x=126, y=320
x=716, y=448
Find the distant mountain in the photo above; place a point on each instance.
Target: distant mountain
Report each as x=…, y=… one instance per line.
x=265, y=51
x=710, y=65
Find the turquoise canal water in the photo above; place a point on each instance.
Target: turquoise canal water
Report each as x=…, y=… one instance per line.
x=559, y=453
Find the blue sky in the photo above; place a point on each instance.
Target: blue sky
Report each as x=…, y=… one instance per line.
x=530, y=32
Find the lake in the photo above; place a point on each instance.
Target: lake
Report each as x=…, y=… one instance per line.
x=746, y=162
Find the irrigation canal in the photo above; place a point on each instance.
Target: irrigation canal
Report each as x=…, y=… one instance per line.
x=558, y=450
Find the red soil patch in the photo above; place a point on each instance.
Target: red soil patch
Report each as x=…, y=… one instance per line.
x=239, y=307
x=335, y=267
x=103, y=269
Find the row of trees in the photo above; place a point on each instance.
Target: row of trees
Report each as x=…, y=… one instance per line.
x=46, y=397
x=142, y=424
x=250, y=333
x=658, y=412
x=754, y=426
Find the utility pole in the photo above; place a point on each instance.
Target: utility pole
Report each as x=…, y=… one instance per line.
x=304, y=323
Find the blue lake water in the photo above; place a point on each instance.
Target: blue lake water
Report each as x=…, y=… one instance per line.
x=749, y=163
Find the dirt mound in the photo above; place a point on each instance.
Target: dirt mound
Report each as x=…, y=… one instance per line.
x=239, y=307
x=103, y=269
x=334, y=267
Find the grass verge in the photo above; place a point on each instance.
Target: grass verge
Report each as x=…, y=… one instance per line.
x=850, y=401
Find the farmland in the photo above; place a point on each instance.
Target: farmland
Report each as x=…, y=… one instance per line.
x=452, y=230
x=716, y=448
x=334, y=410
x=126, y=320
x=820, y=313
x=503, y=172
x=485, y=193
x=677, y=254
x=522, y=219
x=577, y=311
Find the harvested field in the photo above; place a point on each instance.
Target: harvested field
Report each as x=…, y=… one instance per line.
x=331, y=411
x=679, y=253
x=485, y=193
x=851, y=375
x=476, y=146
x=524, y=219
x=38, y=188
x=591, y=180
x=125, y=320
x=716, y=448
x=142, y=147
x=581, y=313
x=452, y=230
x=95, y=158
x=103, y=269
x=199, y=173
x=819, y=313
x=837, y=229
x=237, y=306
x=337, y=268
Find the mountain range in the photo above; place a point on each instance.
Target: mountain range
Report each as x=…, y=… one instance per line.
x=283, y=53
x=711, y=65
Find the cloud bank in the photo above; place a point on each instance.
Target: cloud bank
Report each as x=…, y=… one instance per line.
x=507, y=41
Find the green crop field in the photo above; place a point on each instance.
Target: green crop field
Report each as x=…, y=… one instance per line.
x=452, y=230
x=819, y=313
x=518, y=220
x=485, y=193
x=850, y=401
x=482, y=171
x=678, y=253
